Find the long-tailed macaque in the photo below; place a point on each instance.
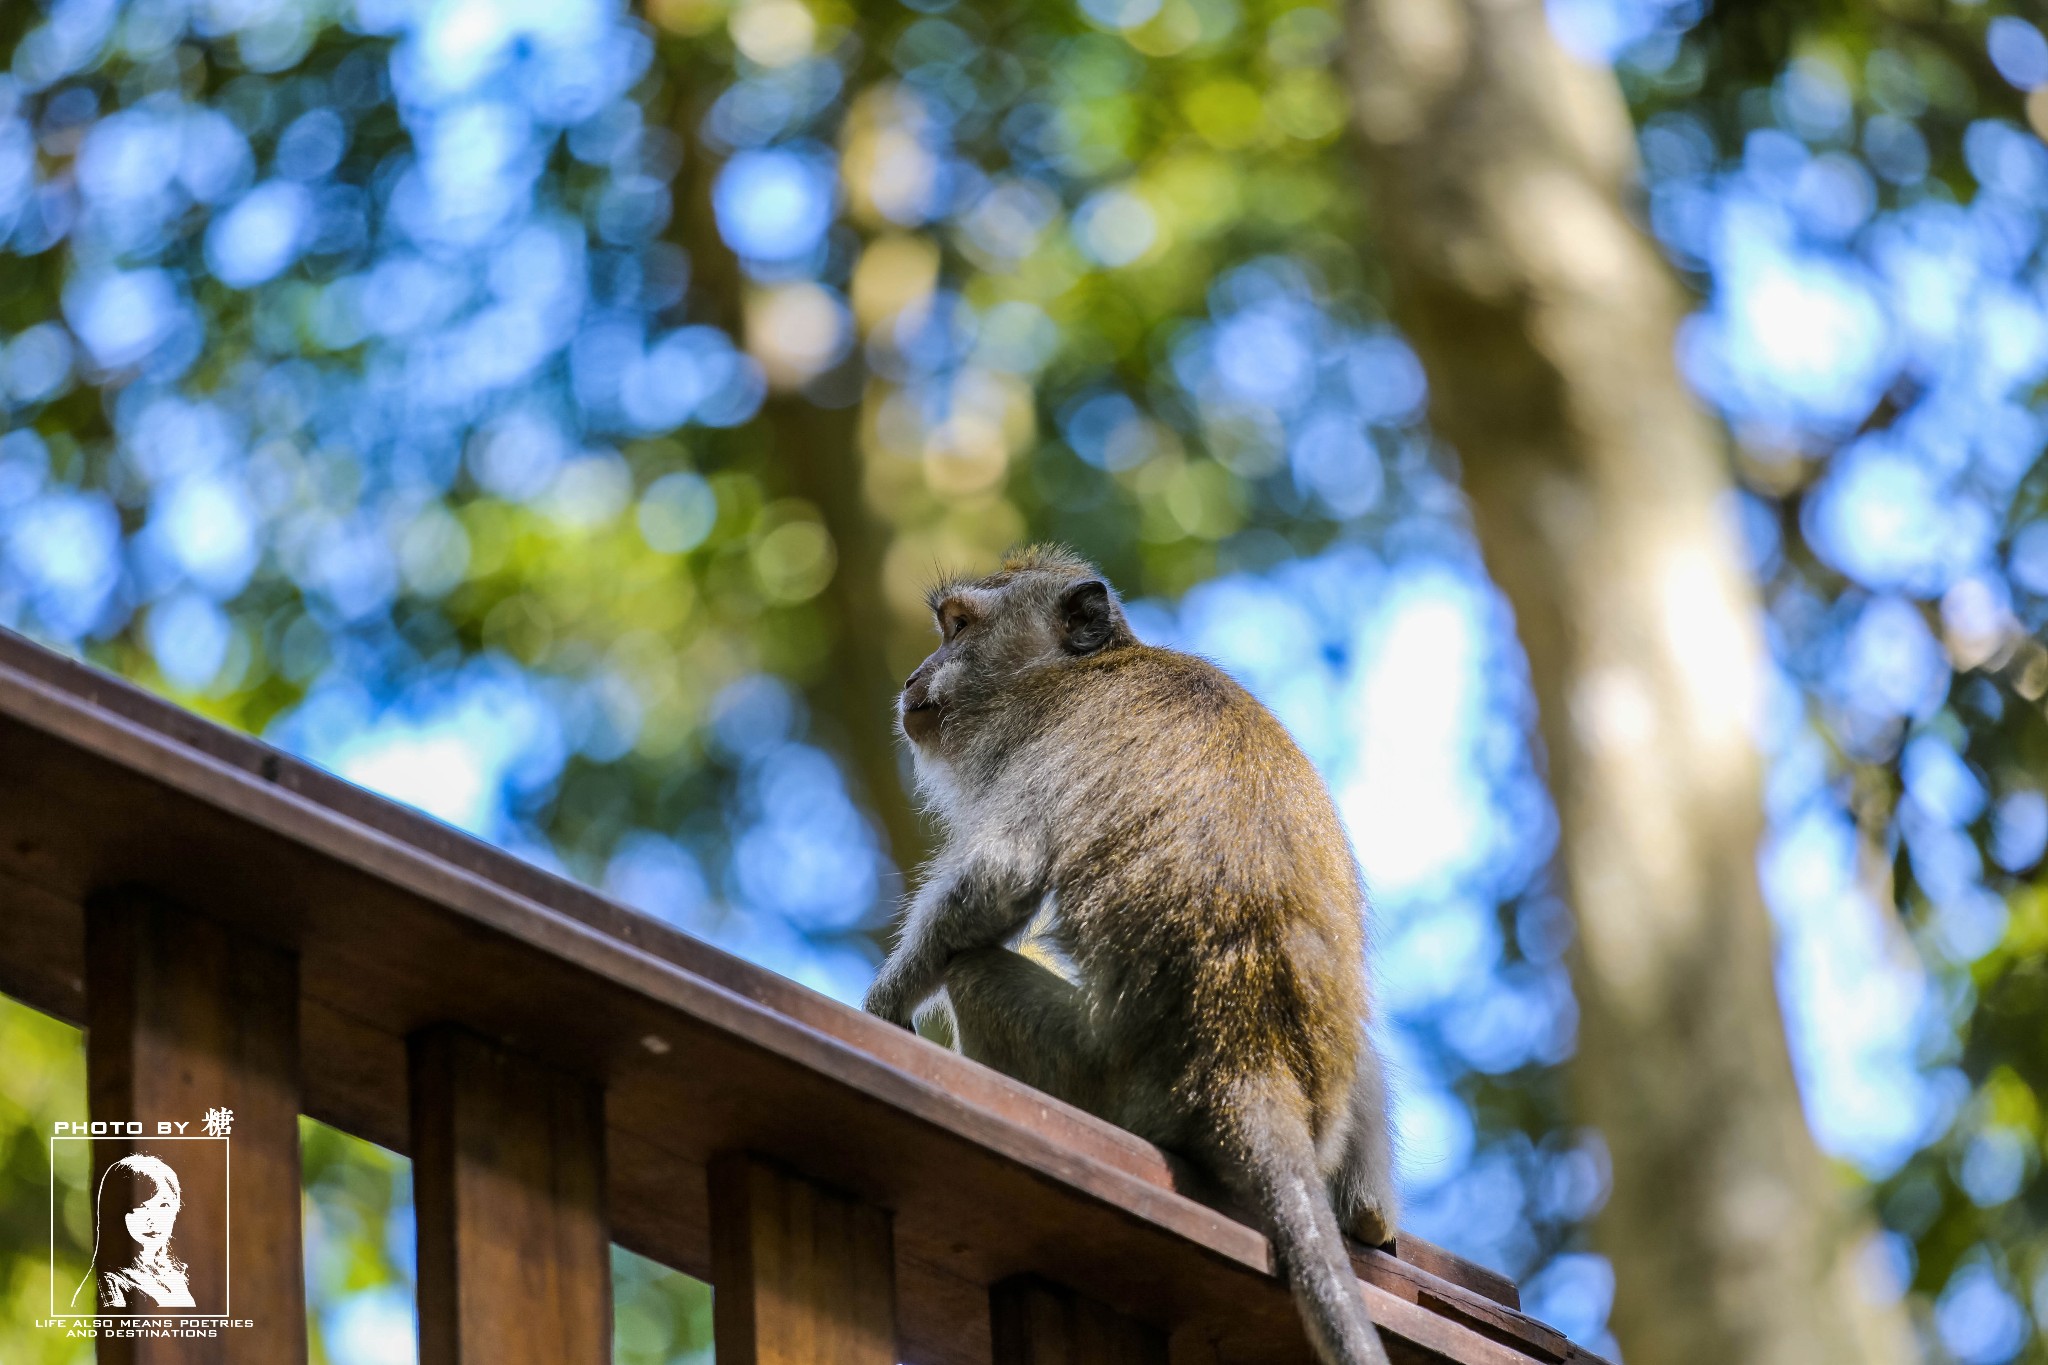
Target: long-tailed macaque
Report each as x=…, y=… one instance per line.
x=1192, y=870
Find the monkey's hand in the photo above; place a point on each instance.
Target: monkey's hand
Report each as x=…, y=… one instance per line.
x=887, y=999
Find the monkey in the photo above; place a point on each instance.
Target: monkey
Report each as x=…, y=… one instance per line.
x=1188, y=864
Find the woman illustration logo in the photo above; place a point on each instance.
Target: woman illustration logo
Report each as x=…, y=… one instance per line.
x=133, y=1263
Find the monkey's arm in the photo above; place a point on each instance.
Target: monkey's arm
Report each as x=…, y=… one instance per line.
x=975, y=902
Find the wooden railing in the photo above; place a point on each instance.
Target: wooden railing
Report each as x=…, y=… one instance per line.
x=239, y=929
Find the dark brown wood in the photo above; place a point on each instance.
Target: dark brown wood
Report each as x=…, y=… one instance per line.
x=801, y=1275
x=1504, y=1325
x=508, y=1192
x=1036, y=1322
x=1434, y=1259
x=1484, y=1313
x=402, y=923
x=186, y=1016
x=42, y=949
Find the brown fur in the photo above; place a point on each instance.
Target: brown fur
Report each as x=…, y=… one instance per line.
x=1200, y=885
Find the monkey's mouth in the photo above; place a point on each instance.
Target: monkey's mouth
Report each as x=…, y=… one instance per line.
x=921, y=720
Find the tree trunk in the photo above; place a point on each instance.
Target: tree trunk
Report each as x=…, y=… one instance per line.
x=815, y=454
x=1545, y=322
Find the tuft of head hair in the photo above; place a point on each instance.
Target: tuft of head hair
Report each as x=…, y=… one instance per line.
x=1046, y=558
x=1056, y=560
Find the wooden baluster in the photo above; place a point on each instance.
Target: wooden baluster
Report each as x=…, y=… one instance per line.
x=508, y=1190
x=1034, y=1322
x=800, y=1275
x=183, y=1016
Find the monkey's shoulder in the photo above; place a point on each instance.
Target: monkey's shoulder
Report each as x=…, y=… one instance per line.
x=1158, y=718
x=1148, y=680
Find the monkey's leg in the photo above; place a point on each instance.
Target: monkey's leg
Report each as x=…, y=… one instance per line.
x=1027, y=1022
x=1362, y=1188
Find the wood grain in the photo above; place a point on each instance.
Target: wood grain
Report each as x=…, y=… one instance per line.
x=508, y=1191
x=800, y=1275
x=1036, y=1322
x=185, y=1016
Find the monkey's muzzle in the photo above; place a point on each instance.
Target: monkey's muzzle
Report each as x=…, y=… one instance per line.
x=916, y=709
x=920, y=719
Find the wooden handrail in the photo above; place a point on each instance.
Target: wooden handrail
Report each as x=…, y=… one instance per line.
x=400, y=924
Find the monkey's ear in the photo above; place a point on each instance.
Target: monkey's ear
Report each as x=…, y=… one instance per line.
x=1088, y=615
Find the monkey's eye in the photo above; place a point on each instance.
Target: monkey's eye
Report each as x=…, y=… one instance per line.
x=952, y=623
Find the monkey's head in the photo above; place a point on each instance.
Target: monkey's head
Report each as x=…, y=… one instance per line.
x=1044, y=608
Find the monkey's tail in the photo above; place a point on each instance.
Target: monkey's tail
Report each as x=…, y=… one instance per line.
x=1271, y=1156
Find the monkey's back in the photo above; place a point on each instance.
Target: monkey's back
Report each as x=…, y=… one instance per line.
x=1205, y=890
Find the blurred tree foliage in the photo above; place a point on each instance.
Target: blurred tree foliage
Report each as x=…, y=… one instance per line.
x=1547, y=324
x=1931, y=116
x=43, y=1066
x=550, y=415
